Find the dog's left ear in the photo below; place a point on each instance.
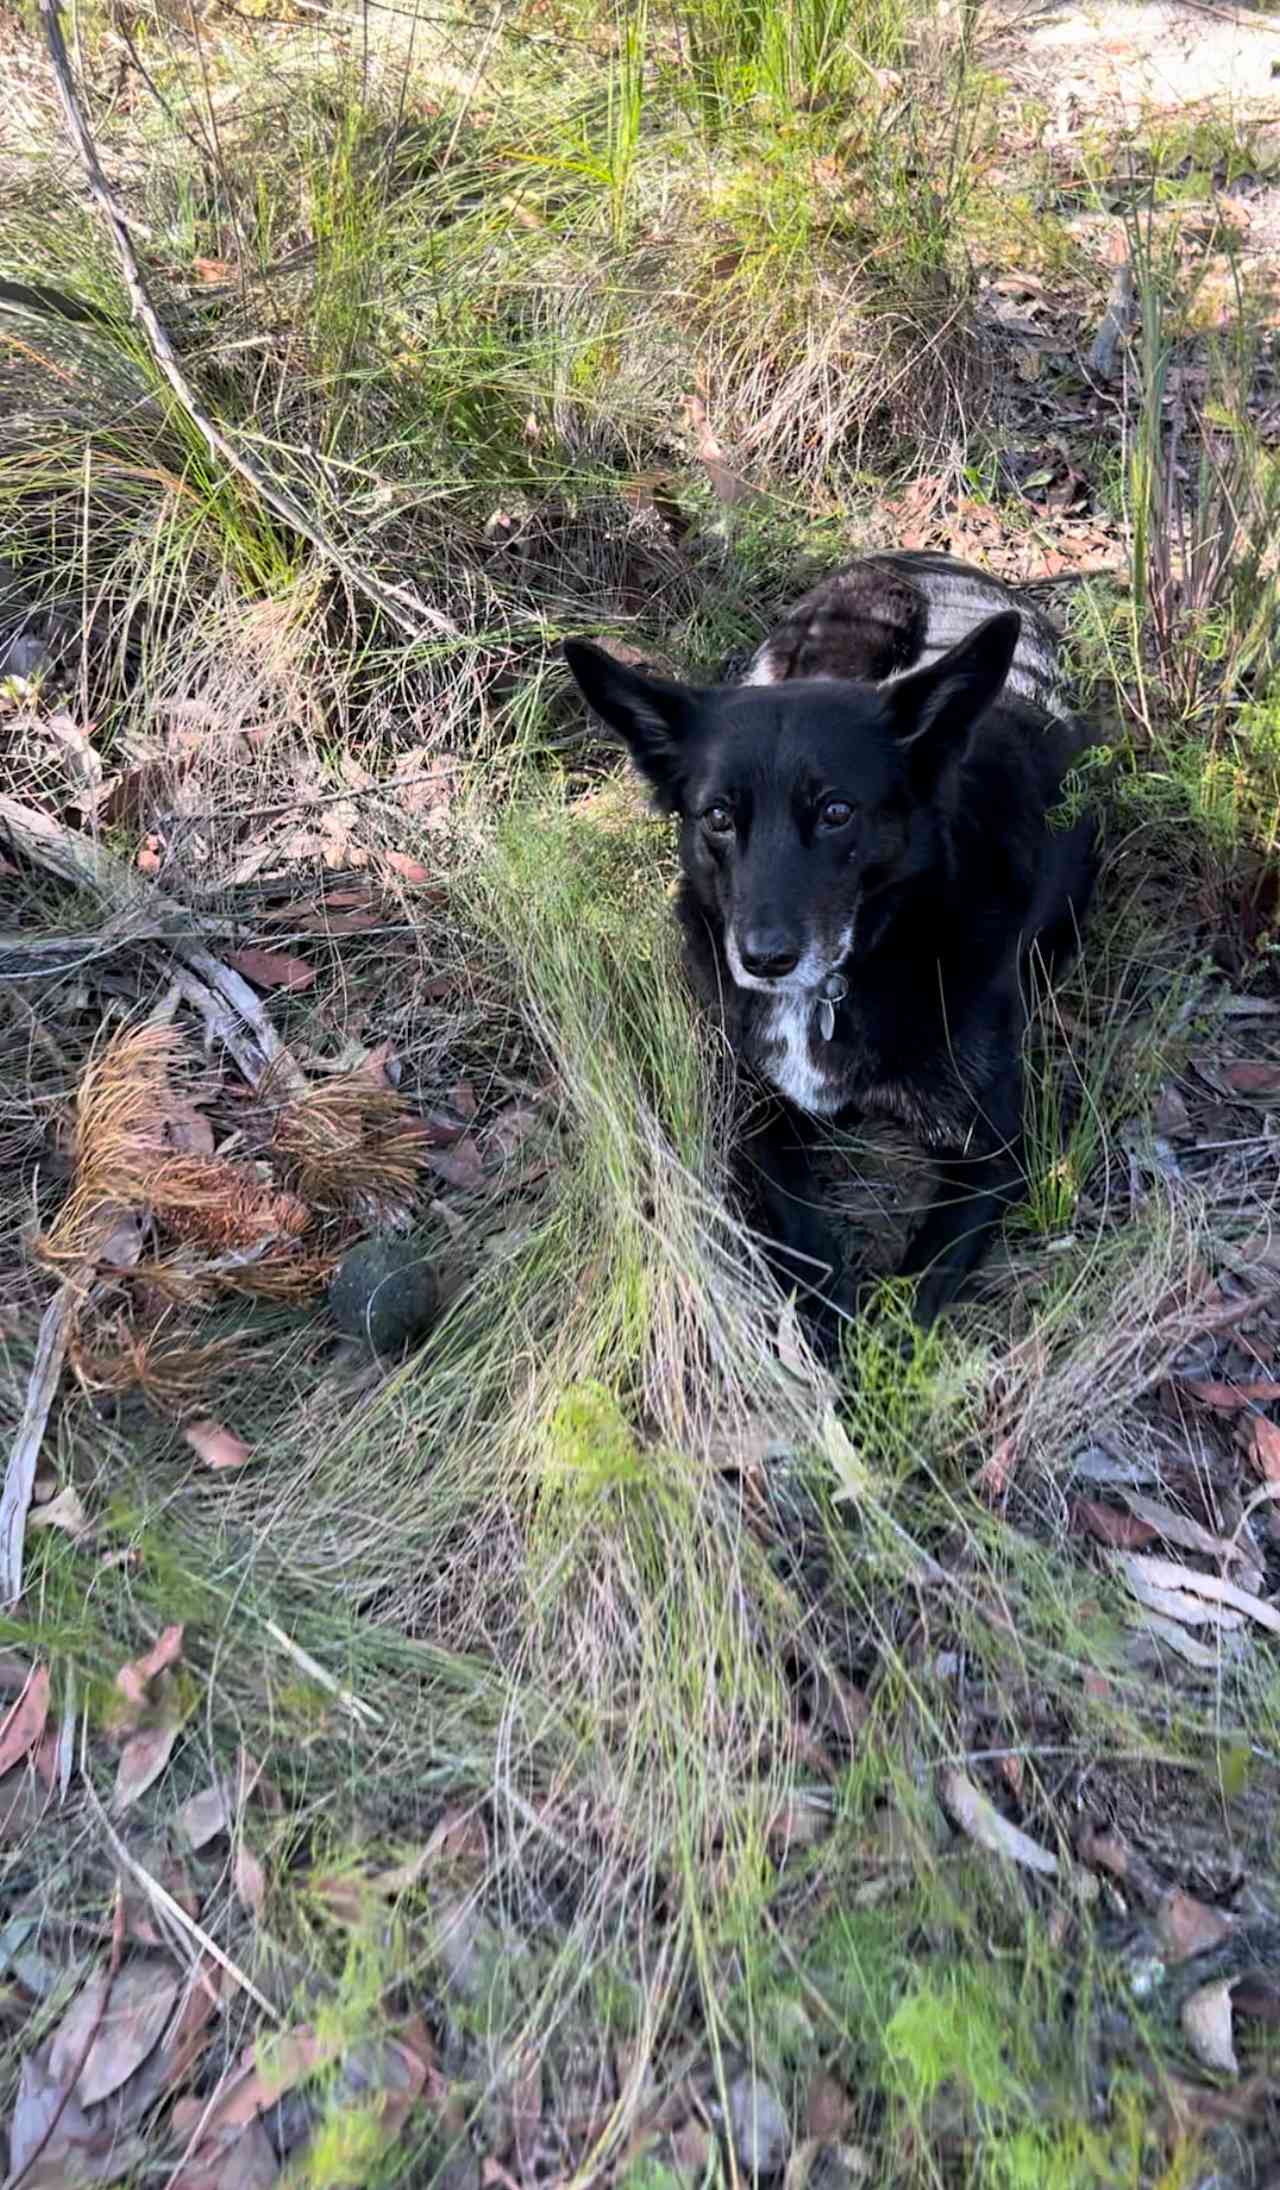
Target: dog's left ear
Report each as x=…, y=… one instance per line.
x=653, y=717
x=934, y=710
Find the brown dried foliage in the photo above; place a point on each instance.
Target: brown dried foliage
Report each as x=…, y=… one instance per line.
x=349, y=1144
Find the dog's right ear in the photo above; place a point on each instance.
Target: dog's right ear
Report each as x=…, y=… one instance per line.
x=652, y=717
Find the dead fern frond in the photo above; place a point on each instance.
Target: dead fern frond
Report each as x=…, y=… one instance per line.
x=349, y=1146
x=223, y=1205
x=117, y=1138
x=174, y=1376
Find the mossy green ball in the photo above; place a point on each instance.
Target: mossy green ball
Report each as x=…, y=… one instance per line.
x=385, y=1291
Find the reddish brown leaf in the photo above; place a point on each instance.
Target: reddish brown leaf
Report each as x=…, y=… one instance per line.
x=149, y=855
x=1230, y=1398
x=45, y=1758
x=250, y=1880
x=1252, y=1076
x=1109, y=1525
x=459, y=1166
x=345, y=1897
x=511, y=1129
x=216, y=1446
x=24, y=1724
x=828, y=2109
x=132, y=1679
x=143, y=1759
x=139, y=2002
x=1186, y=1927
x=409, y=870
x=1258, y=1997
x=272, y=969
x=1261, y=1441
x=185, y=2042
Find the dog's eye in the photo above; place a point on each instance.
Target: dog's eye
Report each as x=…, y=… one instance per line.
x=834, y=813
x=717, y=820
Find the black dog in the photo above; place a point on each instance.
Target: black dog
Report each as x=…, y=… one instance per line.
x=868, y=862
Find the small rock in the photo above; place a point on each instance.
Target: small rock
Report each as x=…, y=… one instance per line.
x=761, y=2138
x=385, y=1291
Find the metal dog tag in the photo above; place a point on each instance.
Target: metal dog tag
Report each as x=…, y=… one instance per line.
x=834, y=990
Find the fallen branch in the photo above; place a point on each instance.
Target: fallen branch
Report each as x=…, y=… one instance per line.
x=413, y=618
x=20, y=1475
x=222, y=996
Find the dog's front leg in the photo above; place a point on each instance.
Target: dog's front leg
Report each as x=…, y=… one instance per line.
x=781, y=1201
x=975, y=1187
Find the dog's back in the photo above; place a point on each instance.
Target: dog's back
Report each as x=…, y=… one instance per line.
x=888, y=614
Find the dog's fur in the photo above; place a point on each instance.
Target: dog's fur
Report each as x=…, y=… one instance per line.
x=867, y=812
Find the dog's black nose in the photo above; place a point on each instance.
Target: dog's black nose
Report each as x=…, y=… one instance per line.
x=769, y=956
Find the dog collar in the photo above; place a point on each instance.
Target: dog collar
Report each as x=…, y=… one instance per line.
x=833, y=991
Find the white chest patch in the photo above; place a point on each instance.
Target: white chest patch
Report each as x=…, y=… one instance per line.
x=791, y=1057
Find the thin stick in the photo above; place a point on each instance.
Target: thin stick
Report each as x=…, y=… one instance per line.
x=317, y=1672
x=414, y=618
x=223, y=997
x=14, y=2181
x=164, y=1900
x=20, y=1475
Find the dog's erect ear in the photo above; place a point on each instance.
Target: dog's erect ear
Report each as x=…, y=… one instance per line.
x=652, y=716
x=934, y=710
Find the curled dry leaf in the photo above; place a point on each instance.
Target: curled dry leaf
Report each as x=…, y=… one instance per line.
x=1231, y=1398
x=1253, y=1076
x=1198, y=1599
x=138, y=2005
x=204, y=1816
x=65, y=1512
x=1261, y=1441
x=829, y=2110
x=1180, y=1528
x=250, y=1880
x=272, y=969
x=217, y=1446
x=1208, y=1656
x=1206, y=2025
x=977, y=1816
x=24, y=1724
x=143, y=1758
x=133, y=1679
x=1109, y=1525
x=459, y=1166
x=1186, y=1927
x=409, y=870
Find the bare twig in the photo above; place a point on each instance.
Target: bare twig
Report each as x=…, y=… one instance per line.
x=15, y=2181
x=413, y=618
x=315, y=1671
x=20, y=1475
x=163, y=1901
x=225, y=1000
